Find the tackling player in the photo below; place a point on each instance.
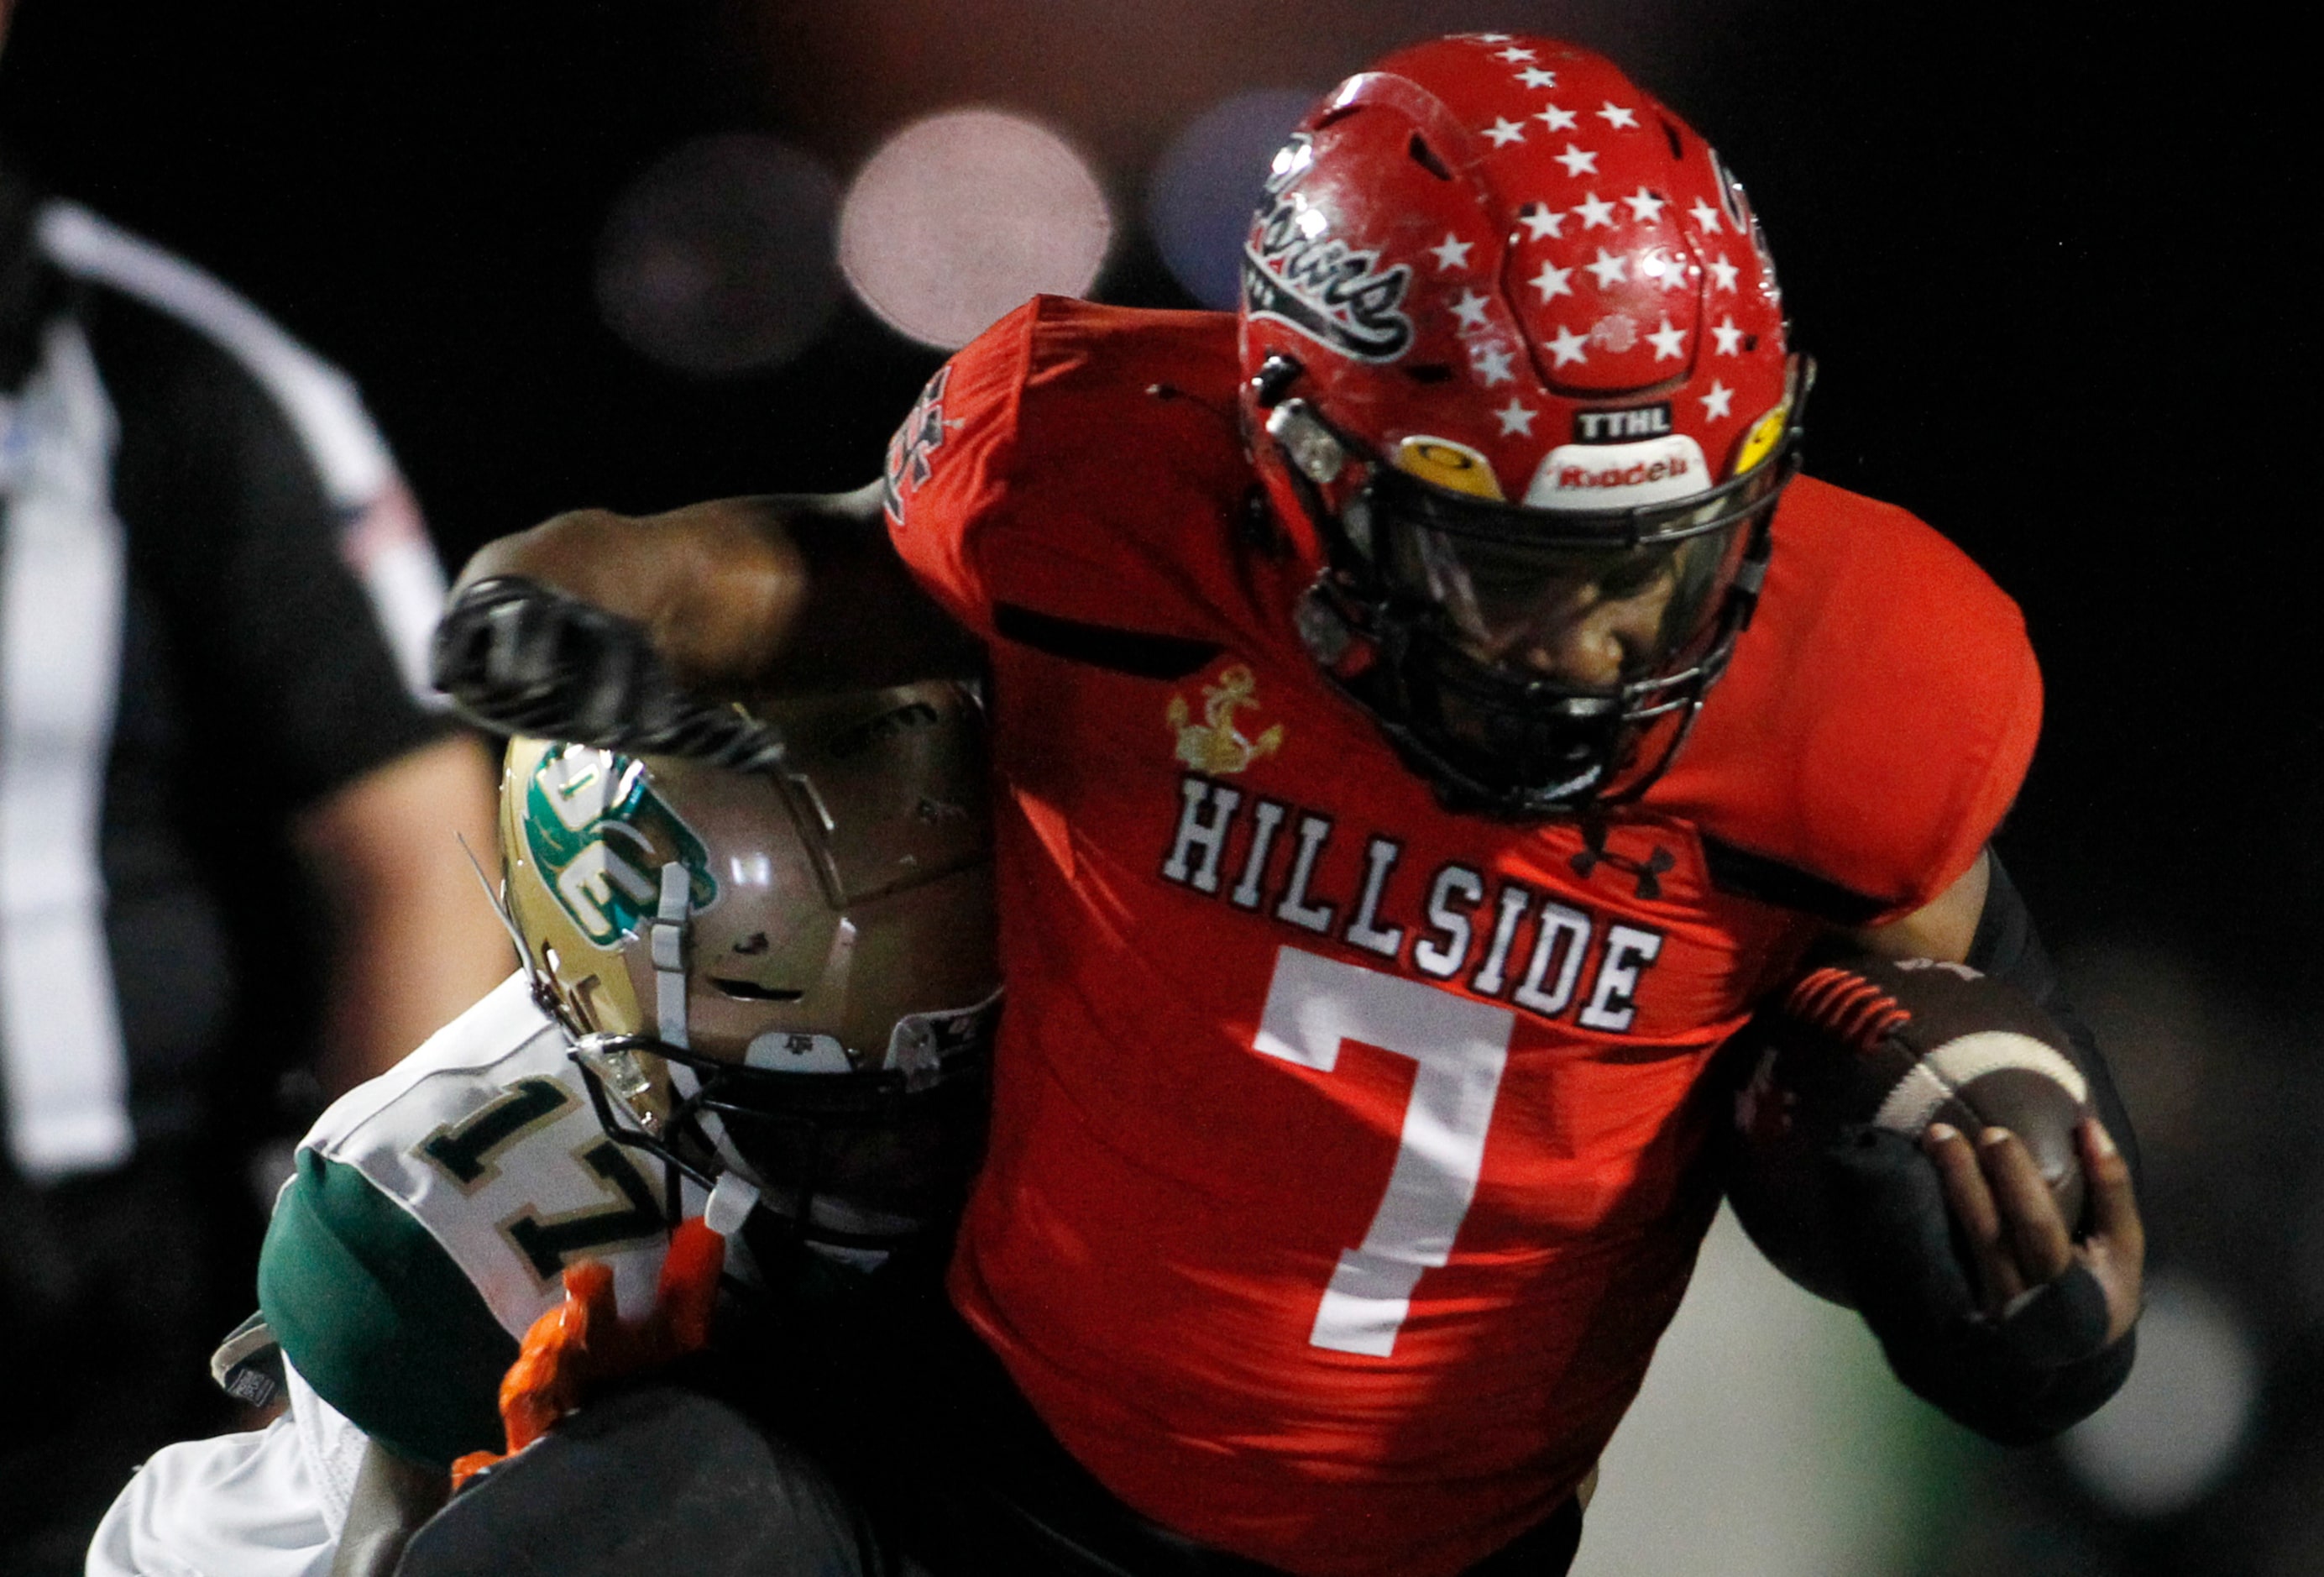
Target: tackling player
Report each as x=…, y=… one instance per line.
x=770, y=995
x=1430, y=709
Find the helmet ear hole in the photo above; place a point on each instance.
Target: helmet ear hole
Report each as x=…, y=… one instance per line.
x=744, y=990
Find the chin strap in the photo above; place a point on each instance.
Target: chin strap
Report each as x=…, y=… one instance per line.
x=667, y=935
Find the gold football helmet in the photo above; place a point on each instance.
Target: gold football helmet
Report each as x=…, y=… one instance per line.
x=787, y=977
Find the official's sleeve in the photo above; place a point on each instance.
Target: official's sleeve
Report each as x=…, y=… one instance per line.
x=947, y=473
x=379, y=1319
x=263, y=516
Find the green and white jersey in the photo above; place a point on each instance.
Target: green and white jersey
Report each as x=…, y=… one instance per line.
x=430, y=1218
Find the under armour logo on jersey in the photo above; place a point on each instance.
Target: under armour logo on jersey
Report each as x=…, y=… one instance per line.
x=1648, y=871
x=922, y=434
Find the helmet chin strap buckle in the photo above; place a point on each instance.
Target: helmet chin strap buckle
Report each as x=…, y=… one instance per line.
x=731, y=1199
x=1323, y=629
x=1310, y=446
x=667, y=933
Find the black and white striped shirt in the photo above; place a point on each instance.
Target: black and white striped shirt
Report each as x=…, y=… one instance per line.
x=214, y=600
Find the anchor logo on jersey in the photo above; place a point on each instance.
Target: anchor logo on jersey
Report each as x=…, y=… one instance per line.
x=1214, y=745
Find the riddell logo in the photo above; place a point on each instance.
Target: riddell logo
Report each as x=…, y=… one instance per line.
x=1614, y=475
x=1637, y=473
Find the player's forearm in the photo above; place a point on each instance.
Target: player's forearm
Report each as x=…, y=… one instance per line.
x=636, y=635
x=717, y=587
x=797, y=593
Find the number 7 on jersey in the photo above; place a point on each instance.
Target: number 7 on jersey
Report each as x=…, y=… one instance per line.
x=1461, y=1045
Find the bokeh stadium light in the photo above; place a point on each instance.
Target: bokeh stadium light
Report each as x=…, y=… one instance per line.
x=961, y=215
x=1200, y=197
x=2180, y=1422
x=717, y=261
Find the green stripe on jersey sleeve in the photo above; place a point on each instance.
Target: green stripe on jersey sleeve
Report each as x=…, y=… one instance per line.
x=378, y=1317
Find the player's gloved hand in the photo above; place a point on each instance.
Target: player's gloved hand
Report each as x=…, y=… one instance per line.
x=521, y=657
x=583, y=1344
x=2038, y=1335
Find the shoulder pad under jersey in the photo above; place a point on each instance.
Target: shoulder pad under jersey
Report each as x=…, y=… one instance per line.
x=1077, y=475
x=1875, y=724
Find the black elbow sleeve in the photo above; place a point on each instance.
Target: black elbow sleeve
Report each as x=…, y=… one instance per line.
x=2007, y=947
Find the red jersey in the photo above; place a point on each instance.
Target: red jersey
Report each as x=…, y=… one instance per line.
x=1343, y=1165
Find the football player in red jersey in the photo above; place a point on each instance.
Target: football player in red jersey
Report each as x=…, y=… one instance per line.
x=1429, y=710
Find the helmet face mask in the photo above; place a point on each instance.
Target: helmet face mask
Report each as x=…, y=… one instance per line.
x=785, y=977
x=1517, y=380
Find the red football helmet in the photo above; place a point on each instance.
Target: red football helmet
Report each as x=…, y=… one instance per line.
x=1517, y=374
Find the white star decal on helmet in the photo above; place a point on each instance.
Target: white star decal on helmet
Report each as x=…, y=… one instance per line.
x=1730, y=337
x=1666, y=271
x=1513, y=54
x=1554, y=118
x=1707, y=217
x=1515, y=418
x=1453, y=253
x=1471, y=309
x=1534, y=77
x=1568, y=346
x=1542, y=219
x=1577, y=162
x=1715, y=403
x=1552, y=282
x=1594, y=213
x=1608, y=268
x=1646, y=207
x=1615, y=117
x=1723, y=273
x=1668, y=341
x=1505, y=130
x=1492, y=365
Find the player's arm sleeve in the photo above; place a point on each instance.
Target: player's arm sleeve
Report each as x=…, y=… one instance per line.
x=379, y=1319
x=947, y=485
x=292, y=570
x=2008, y=946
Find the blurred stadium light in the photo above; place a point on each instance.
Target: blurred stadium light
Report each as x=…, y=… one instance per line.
x=1200, y=197
x=2177, y=1426
x=717, y=261
x=961, y=215
x=1770, y=1432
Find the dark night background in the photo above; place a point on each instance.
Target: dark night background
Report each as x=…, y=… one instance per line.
x=2047, y=259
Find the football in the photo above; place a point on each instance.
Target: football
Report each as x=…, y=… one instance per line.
x=1899, y=1044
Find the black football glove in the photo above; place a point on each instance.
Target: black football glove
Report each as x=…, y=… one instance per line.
x=2042, y=1366
x=520, y=656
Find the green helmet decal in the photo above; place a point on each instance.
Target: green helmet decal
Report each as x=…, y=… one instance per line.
x=600, y=835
